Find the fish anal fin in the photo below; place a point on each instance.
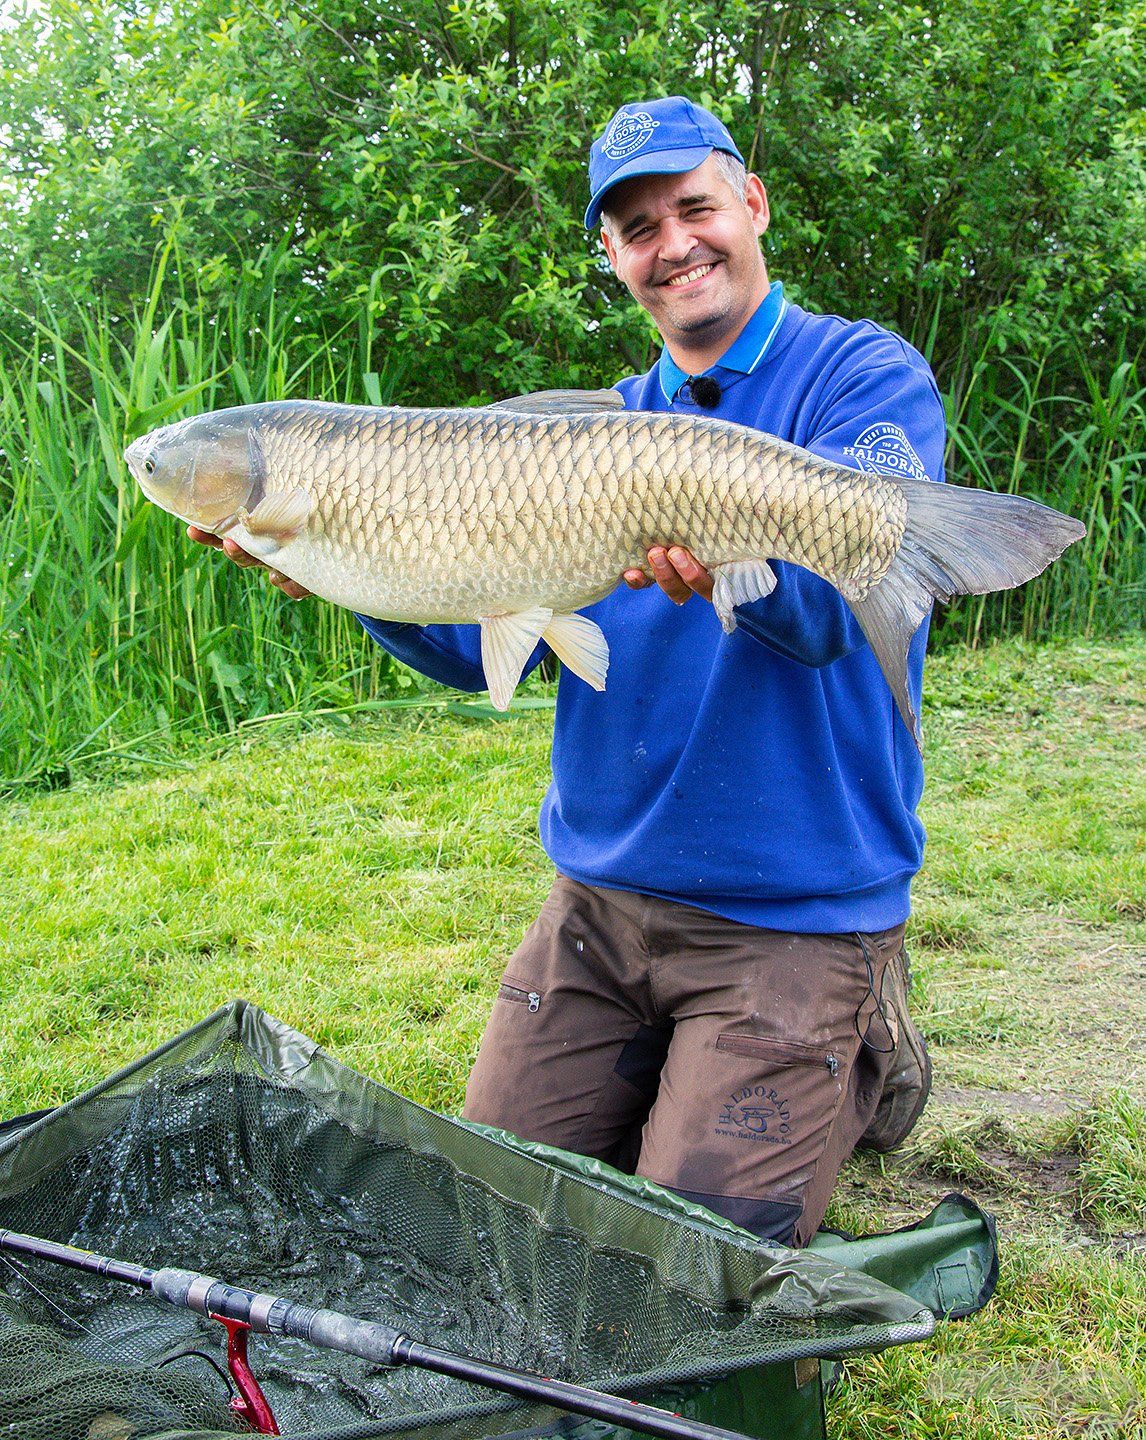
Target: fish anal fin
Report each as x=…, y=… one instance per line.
x=739, y=583
x=563, y=402
x=889, y=615
x=580, y=646
x=507, y=642
x=280, y=517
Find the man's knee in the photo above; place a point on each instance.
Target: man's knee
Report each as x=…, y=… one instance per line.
x=773, y=1220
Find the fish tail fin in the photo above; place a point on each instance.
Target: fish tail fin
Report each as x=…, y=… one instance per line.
x=957, y=541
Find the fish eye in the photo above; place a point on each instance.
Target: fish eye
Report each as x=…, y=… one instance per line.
x=149, y=465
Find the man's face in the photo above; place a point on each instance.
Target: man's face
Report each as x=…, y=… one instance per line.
x=687, y=247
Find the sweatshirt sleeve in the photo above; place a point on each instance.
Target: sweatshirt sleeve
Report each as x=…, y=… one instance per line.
x=883, y=415
x=449, y=654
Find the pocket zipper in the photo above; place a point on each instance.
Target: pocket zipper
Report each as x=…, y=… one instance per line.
x=786, y=1052
x=521, y=997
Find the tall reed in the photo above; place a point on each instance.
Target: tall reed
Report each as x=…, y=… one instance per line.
x=1047, y=426
x=117, y=633
x=114, y=628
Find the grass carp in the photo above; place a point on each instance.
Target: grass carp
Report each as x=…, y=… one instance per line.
x=516, y=515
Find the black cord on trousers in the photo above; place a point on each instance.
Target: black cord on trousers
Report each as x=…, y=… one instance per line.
x=878, y=998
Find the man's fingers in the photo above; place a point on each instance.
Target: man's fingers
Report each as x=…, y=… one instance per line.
x=679, y=574
x=288, y=586
x=246, y=561
x=666, y=576
x=691, y=571
x=637, y=579
x=235, y=552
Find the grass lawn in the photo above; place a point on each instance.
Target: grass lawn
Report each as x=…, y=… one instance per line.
x=365, y=882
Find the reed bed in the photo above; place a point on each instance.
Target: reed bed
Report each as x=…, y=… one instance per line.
x=119, y=638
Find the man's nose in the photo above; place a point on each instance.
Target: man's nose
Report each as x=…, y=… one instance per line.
x=677, y=238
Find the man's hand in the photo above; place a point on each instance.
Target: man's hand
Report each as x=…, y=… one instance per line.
x=244, y=559
x=677, y=571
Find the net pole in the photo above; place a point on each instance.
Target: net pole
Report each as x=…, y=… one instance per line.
x=561, y=1395
x=368, y=1339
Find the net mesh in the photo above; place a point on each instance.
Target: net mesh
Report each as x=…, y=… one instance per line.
x=246, y=1153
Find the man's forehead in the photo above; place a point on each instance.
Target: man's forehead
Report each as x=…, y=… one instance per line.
x=642, y=193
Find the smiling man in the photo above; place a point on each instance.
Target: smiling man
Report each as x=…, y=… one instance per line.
x=714, y=993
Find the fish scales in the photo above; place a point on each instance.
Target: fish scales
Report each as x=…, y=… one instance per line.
x=493, y=492
x=518, y=515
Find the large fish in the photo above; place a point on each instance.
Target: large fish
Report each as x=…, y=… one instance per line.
x=518, y=514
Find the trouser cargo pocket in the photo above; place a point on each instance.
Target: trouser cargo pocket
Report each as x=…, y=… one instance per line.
x=784, y=1093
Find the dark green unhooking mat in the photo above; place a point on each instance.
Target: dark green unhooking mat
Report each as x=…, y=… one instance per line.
x=243, y=1150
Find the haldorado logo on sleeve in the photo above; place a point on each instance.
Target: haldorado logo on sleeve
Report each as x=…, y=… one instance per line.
x=885, y=448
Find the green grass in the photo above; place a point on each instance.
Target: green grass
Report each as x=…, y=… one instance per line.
x=117, y=635
x=1111, y=1139
x=365, y=881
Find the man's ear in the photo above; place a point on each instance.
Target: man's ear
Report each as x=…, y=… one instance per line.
x=756, y=198
x=610, y=249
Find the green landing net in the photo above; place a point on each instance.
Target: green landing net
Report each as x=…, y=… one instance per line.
x=242, y=1149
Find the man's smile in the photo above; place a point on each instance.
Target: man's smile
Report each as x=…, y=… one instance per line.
x=691, y=276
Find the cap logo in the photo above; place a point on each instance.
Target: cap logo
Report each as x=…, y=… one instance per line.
x=627, y=133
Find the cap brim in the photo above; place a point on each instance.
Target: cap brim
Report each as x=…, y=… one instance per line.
x=659, y=162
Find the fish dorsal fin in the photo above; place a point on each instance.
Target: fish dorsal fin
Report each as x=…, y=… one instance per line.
x=563, y=402
x=280, y=517
x=739, y=583
x=580, y=646
x=507, y=642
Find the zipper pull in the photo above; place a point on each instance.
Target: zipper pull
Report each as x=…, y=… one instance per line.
x=535, y=1000
x=832, y=1063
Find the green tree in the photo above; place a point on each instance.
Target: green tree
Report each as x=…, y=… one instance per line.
x=956, y=172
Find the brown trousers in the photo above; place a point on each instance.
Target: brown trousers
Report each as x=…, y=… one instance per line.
x=735, y=1065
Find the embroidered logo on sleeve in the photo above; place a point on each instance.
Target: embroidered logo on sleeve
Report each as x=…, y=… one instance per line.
x=627, y=134
x=887, y=449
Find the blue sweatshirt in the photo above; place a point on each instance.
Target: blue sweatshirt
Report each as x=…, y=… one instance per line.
x=763, y=775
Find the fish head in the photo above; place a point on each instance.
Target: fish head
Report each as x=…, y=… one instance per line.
x=203, y=471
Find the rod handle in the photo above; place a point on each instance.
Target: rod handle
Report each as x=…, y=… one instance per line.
x=271, y=1315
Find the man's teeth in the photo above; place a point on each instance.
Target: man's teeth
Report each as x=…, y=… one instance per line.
x=691, y=276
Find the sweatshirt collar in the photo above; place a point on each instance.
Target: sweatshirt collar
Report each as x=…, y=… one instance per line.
x=746, y=351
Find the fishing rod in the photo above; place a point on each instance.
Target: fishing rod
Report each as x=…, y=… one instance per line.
x=243, y=1311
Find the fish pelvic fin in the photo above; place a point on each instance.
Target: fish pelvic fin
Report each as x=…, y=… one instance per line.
x=507, y=642
x=957, y=541
x=739, y=583
x=580, y=646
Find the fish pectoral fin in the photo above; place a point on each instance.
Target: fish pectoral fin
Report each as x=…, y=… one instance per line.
x=739, y=583
x=507, y=642
x=580, y=646
x=280, y=517
x=563, y=402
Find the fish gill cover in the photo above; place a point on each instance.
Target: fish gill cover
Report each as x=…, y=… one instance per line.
x=242, y=1149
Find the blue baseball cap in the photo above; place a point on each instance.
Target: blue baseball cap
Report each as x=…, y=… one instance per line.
x=654, y=137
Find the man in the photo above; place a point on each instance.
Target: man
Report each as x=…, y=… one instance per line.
x=714, y=993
